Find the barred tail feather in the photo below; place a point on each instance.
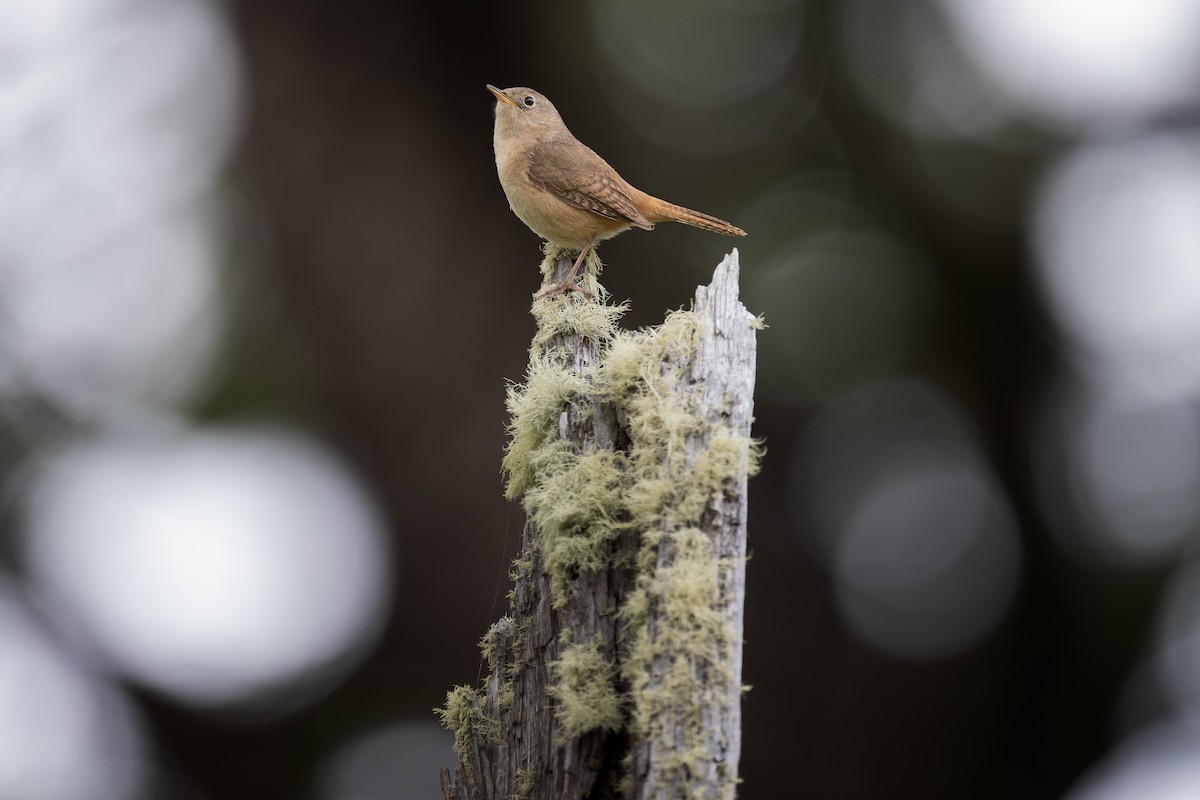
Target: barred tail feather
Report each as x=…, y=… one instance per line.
x=661, y=210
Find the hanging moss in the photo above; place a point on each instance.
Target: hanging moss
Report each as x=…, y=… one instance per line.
x=534, y=409
x=576, y=506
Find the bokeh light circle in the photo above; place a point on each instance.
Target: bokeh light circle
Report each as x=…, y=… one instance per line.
x=734, y=50
x=891, y=496
x=116, y=127
x=1076, y=62
x=710, y=81
x=1116, y=474
x=846, y=298
x=1177, y=656
x=927, y=561
x=1156, y=764
x=904, y=62
x=392, y=761
x=1117, y=249
x=218, y=567
x=64, y=735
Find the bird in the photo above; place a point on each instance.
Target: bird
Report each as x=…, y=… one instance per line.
x=564, y=191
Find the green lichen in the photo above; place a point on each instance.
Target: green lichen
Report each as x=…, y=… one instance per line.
x=506, y=696
x=561, y=316
x=534, y=409
x=577, y=508
x=463, y=716
x=518, y=567
x=523, y=784
x=586, y=691
x=496, y=641
x=565, y=313
x=690, y=635
x=673, y=482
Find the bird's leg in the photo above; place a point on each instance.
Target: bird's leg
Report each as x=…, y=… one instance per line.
x=568, y=283
x=587, y=248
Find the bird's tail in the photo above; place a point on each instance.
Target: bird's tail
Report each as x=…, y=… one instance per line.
x=661, y=211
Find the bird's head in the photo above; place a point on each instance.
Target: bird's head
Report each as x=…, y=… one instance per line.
x=523, y=109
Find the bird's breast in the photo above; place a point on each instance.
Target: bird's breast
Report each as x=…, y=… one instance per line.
x=546, y=214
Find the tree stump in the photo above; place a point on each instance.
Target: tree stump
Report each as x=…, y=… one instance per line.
x=617, y=671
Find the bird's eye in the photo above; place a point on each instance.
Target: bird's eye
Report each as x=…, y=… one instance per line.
x=529, y=101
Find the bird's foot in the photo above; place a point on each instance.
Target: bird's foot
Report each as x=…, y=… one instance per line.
x=562, y=287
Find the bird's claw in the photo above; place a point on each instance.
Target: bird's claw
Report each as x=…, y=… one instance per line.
x=563, y=287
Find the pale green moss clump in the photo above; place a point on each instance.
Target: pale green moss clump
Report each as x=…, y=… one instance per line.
x=524, y=784
x=586, y=692
x=491, y=645
x=560, y=315
x=534, y=410
x=463, y=717
x=576, y=505
x=506, y=696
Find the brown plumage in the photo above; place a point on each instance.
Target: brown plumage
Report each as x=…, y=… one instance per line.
x=566, y=193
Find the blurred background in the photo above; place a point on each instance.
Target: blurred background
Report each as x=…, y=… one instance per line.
x=260, y=293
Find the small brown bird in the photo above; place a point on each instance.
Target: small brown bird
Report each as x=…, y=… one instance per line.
x=566, y=193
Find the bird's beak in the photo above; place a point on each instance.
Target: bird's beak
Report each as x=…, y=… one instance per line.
x=501, y=96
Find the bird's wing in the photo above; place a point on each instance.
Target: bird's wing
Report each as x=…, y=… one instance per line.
x=575, y=174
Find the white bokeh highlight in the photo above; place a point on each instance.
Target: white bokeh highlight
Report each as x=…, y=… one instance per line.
x=1177, y=652
x=63, y=734
x=117, y=118
x=1076, y=62
x=1117, y=243
x=213, y=566
x=1156, y=764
